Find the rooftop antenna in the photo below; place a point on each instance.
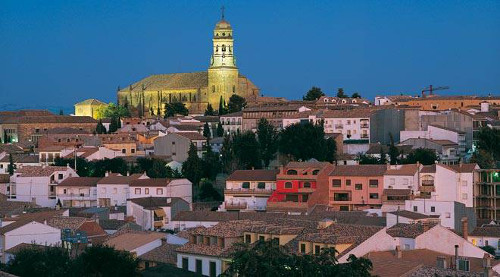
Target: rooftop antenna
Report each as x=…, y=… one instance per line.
x=222, y=12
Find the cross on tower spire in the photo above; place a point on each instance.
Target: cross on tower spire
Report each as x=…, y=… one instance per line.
x=222, y=12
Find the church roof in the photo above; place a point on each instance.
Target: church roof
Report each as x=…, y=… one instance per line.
x=223, y=24
x=192, y=80
x=91, y=102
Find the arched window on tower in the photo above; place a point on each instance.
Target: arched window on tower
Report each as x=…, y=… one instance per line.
x=229, y=48
x=223, y=48
x=234, y=89
x=217, y=48
x=213, y=88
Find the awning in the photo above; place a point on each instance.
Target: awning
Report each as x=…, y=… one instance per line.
x=160, y=213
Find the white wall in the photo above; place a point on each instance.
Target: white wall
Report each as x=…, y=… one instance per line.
x=32, y=232
x=147, y=247
x=380, y=241
x=445, y=210
x=205, y=263
x=118, y=194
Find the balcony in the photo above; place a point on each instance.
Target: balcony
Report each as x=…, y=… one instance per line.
x=235, y=206
x=248, y=192
x=426, y=189
x=365, y=125
x=364, y=136
x=77, y=196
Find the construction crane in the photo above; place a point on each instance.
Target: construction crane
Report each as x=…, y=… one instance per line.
x=430, y=89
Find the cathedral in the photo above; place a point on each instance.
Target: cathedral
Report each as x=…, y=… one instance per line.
x=196, y=90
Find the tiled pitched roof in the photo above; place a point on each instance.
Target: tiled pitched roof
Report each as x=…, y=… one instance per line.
x=191, y=135
x=170, y=81
x=80, y=182
x=39, y=171
x=413, y=215
x=253, y=175
x=66, y=222
x=21, y=158
x=49, y=119
x=132, y=240
x=92, y=229
x=487, y=231
x=151, y=182
x=359, y=170
x=91, y=101
x=310, y=164
x=428, y=169
x=464, y=168
x=403, y=230
x=402, y=170
x=153, y=203
x=228, y=229
x=118, y=179
x=165, y=254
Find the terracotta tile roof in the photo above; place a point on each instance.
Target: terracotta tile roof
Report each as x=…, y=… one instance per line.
x=113, y=179
x=310, y=164
x=80, y=182
x=359, y=170
x=24, y=219
x=193, y=80
x=403, y=230
x=464, y=168
x=154, y=203
x=486, y=231
x=66, y=222
x=151, y=182
x=418, y=262
x=413, y=215
x=275, y=229
x=253, y=175
x=14, y=250
x=92, y=229
x=91, y=101
x=52, y=148
x=165, y=254
x=49, y=119
x=133, y=240
x=402, y=170
x=39, y=171
x=21, y=158
x=192, y=135
x=11, y=149
x=428, y=169
x=228, y=229
x=115, y=224
x=186, y=127
x=236, y=114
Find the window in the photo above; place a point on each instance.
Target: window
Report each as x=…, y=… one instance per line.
x=307, y=185
x=303, y=248
x=276, y=241
x=124, y=151
x=213, y=269
x=373, y=195
x=261, y=185
x=185, y=263
x=146, y=191
x=159, y=191
x=317, y=249
x=199, y=266
x=415, y=208
x=261, y=238
x=341, y=197
x=373, y=183
x=137, y=191
x=344, y=208
x=433, y=209
x=115, y=190
x=358, y=186
x=464, y=196
x=336, y=183
x=245, y=185
x=132, y=151
x=64, y=191
x=463, y=265
x=288, y=185
x=60, y=176
x=348, y=182
x=248, y=238
x=291, y=172
x=315, y=172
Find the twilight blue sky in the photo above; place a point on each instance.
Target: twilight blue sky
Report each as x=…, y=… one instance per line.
x=61, y=52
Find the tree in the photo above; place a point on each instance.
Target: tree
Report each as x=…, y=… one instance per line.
x=236, y=103
x=313, y=94
x=423, y=155
x=340, y=93
x=483, y=159
x=268, y=258
x=171, y=109
x=115, y=165
x=100, y=129
x=112, y=111
x=114, y=125
x=211, y=163
x=105, y=261
x=208, y=192
x=222, y=106
x=220, y=130
x=267, y=138
x=206, y=131
x=366, y=159
x=158, y=169
x=11, y=167
x=227, y=155
x=490, y=249
x=245, y=150
x=303, y=141
x=192, y=168
x=331, y=150
x=487, y=140
x=39, y=260
x=209, y=110
x=393, y=151
x=383, y=158
x=356, y=95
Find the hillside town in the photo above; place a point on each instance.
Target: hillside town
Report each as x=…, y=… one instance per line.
x=194, y=174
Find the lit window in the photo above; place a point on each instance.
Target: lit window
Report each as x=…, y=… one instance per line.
x=137, y=191
x=159, y=191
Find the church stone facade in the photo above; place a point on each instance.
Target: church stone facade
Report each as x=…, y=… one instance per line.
x=196, y=90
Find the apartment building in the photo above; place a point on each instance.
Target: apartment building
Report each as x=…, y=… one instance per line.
x=232, y=122
x=78, y=192
x=176, y=145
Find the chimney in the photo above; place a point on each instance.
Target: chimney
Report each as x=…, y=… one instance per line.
x=399, y=253
x=465, y=227
x=487, y=265
x=106, y=174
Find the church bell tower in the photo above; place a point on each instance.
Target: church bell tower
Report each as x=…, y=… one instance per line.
x=222, y=73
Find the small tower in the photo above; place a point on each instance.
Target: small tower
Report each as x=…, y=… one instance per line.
x=222, y=73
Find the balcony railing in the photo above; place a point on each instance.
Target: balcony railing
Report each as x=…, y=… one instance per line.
x=426, y=189
x=339, y=126
x=427, y=182
x=248, y=191
x=364, y=126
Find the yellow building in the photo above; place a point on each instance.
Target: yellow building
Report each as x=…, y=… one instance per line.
x=89, y=107
x=196, y=89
